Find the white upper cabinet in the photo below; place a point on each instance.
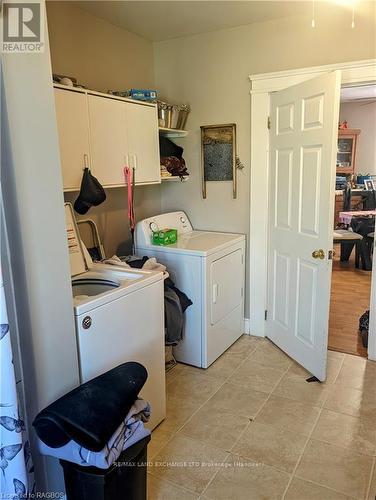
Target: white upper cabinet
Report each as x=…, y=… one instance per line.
x=108, y=139
x=112, y=132
x=73, y=129
x=143, y=142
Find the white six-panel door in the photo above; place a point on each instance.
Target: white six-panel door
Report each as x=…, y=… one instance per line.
x=303, y=142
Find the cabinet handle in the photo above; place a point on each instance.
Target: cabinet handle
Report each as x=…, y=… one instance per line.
x=132, y=162
x=215, y=293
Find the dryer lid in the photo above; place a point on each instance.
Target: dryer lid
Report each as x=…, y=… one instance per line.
x=78, y=263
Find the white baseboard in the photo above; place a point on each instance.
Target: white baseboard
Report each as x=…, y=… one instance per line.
x=247, y=328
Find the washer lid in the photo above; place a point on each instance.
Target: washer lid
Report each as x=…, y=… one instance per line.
x=78, y=263
x=202, y=243
x=205, y=241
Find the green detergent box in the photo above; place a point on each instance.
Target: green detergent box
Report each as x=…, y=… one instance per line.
x=165, y=237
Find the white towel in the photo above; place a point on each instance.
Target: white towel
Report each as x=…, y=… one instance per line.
x=115, y=261
x=152, y=265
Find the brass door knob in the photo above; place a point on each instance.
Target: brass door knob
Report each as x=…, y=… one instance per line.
x=318, y=254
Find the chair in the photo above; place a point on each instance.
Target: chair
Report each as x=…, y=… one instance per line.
x=369, y=241
x=348, y=239
x=364, y=225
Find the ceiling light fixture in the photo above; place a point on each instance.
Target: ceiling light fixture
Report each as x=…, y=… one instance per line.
x=344, y=3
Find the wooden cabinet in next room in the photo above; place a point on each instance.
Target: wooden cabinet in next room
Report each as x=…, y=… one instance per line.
x=346, y=151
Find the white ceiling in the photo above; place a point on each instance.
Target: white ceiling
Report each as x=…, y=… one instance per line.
x=364, y=93
x=163, y=20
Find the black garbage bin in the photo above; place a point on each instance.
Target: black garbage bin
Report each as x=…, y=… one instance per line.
x=125, y=480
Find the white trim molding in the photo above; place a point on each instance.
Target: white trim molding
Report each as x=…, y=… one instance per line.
x=353, y=73
x=246, y=328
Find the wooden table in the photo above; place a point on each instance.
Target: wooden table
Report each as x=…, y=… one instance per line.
x=345, y=217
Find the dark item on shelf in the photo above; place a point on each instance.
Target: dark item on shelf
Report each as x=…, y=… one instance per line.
x=125, y=479
x=169, y=148
x=90, y=413
x=176, y=166
x=91, y=193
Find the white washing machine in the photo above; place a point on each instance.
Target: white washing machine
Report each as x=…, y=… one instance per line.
x=209, y=268
x=119, y=317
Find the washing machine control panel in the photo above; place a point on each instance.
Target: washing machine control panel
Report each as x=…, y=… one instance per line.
x=172, y=220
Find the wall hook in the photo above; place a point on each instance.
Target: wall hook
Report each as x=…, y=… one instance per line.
x=238, y=164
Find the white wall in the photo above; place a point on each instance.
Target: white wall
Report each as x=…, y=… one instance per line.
x=99, y=54
x=362, y=116
x=210, y=71
x=102, y=56
x=111, y=216
x=33, y=206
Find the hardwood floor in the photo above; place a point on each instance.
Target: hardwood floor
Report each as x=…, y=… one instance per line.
x=350, y=297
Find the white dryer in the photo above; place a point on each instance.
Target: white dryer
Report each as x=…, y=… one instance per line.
x=119, y=316
x=209, y=268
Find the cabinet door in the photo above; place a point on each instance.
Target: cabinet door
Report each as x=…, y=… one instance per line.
x=345, y=154
x=143, y=142
x=108, y=139
x=73, y=129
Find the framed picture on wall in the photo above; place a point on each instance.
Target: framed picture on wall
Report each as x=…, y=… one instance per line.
x=218, y=155
x=369, y=184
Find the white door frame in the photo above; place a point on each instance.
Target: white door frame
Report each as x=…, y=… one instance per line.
x=353, y=73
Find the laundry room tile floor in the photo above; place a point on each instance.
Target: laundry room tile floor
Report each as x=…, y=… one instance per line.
x=251, y=427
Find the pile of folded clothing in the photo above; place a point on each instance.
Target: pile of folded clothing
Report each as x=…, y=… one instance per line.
x=93, y=424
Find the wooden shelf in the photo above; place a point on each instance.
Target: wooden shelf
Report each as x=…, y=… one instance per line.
x=175, y=178
x=172, y=132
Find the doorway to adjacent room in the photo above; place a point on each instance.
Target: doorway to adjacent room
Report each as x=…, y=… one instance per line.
x=355, y=170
